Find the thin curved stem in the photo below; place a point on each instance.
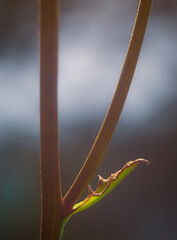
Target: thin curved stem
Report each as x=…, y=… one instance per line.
x=106, y=131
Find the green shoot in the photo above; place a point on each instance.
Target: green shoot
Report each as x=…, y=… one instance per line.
x=104, y=187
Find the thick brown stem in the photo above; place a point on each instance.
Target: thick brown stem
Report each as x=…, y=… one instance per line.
x=104, y=136
x=51, y=196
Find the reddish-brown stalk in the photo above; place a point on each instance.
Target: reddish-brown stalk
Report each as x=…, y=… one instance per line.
x=51, y=196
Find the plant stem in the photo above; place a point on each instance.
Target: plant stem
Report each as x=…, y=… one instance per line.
x=104, y=136
x=51, y=196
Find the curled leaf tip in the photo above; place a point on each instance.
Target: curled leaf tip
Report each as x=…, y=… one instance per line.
x=142, y=160
x=105, y=186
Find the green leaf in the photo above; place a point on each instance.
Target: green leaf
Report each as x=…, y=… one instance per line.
x=104, y=187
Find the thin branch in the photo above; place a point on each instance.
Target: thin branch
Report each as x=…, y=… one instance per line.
x=104, y=136
x=51, y=196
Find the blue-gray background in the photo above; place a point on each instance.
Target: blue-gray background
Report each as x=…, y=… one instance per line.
x=94, y=36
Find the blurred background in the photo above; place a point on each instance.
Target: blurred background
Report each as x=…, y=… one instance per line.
x=94, y=36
